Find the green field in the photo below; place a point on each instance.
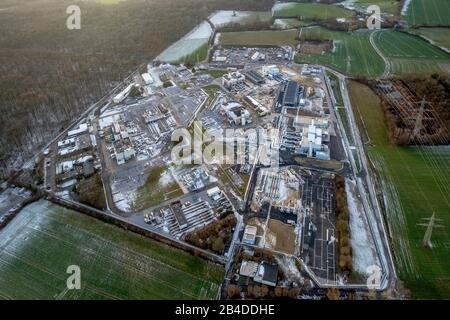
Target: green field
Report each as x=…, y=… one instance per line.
x=158, y=187
x=44, y=239
x=215, y=73
x=411, y=54
x=283, y=24
x=353, y=53
x=396, y=44
x=416, y=185
x=386, y=6
x=259, y=38
x=310, y=11
x=419, y=66
x=438, y=36
x=428, y=12
x=198, y=55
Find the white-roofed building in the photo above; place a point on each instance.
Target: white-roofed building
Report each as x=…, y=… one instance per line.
x=82, y=128
x=147, y=78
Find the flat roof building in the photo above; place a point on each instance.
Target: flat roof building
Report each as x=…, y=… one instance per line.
x=248, y=268
x=82, y=128
x=255, y=77
x=306, y=121
x=291, y=94
x=236, y=113
x=267, y=274
x=249, y=235
x=232, y=78
x=147, y=78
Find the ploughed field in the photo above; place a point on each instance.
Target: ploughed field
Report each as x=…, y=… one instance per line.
x=44, y=239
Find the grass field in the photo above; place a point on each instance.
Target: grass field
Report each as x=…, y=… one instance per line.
x=225, y=18
x=396, y=44
x=211, y=91
x=44, y=239
x=438, y=36
x=259, y=38
x=283, y=24
x=418, y=66
x=428, y=12
x=198, y=55
x=310, y=11
x=158, y=187
x=416, y=185
x=386, y=6
x=353, y=53
x=216, y=73
x=411, y=54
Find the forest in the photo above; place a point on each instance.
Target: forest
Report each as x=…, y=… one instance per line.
x=433, y=91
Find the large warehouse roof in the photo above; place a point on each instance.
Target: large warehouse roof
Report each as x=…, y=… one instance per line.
x=291, y=94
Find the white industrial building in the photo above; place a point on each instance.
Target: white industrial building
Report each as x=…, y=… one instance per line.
x=147, y=78
x=312, y=143
x=301, y=122
x=123, y=94
x=232, y=78
x=262, y=111
x=82, y=128
x=236, y=113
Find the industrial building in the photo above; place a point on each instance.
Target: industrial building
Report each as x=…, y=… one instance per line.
x=264, y=272
x=262, y=111
x=82, y=128
x=267, y=274
x=233, y=78
x=188, y=216
x=301, y=122
x=147, y=78
x=312, y=143
x=254, y=77
x=292, y=94
x=117, y=136
x=236, y=113
x=214, y=193
x=270, y=71
x=123, y=94
x=249, y=235
x=279, y=187
x=195, y=178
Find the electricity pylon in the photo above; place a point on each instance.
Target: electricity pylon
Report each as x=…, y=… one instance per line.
x=418, y=125
x=426, y=242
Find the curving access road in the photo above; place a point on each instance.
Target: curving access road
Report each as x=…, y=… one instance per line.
x=387, y=64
